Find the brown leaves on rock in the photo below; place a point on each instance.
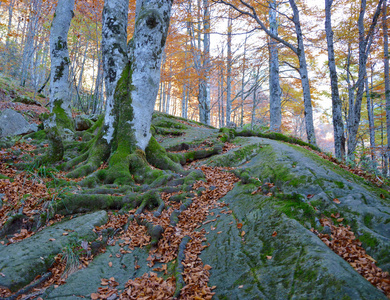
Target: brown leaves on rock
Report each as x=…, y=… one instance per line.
x=228, y=146
x=149, y=286
x=375, y=179
x=344, y=243
x=195, y=275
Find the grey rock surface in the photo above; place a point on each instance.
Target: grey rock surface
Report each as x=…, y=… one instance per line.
x=13, y=123
x=294, y=264
x=20, y=263
x=86, y=281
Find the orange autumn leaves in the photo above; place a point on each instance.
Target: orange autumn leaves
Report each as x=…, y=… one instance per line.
x=344, y=243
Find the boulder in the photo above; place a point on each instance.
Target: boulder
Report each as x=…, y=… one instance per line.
x=20, y=263
x=82, y=123
x=13, y=123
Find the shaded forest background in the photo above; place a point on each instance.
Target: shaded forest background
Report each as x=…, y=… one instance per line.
x=213, y=47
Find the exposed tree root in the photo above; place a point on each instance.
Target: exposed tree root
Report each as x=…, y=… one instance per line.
x=31, y=286
x=81, y=203
x=180, y=267
x=191, y=156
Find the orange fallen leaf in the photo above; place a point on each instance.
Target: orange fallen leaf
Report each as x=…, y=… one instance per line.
x=274, y=234
x=239, y=225
x=269, y=257
x=207, y=267
x=242, y=233
x=337, y=201
x=219, y=232
x=310, y=196
x=94, y=296
x=65, y=233
x=340, y=220
x=51, y=240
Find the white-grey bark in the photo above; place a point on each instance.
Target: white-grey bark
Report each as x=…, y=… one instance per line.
x=9, y=28
x=338, y=127
x=304, y=76
x=114, y=54
x=229, y=70
x=204, y=86
x=29, y=49
x=151, y=30
x=274, y=85
x=370, y=112
x=59, y=54
x=365, y=41
x=386, y=70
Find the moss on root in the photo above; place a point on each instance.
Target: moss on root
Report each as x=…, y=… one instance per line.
x=158, y=157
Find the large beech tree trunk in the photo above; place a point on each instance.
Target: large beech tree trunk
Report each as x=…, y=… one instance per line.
x=127, y=145
x=114, y=52
x=338, y=127
x=59, y=84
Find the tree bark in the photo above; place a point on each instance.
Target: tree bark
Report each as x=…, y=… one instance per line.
x=204, y=86
x=229, y=70
x=386, y=70
x=274, y=85
x=371, y=124
x=364, y=49
x=338, y=127
x=114, y=54
x=151, y=30
x=59, y=85
x=29, y=49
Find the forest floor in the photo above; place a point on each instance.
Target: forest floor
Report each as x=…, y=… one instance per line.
x=219, y=222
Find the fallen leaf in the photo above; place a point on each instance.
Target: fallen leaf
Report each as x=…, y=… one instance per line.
x=65, y=233
x=51, y=240
x=240, y=286
x=219, y=232
x=207, y=267
x=310, y=196
x=340, y=220
x=274, y=234
x=337, y=201
x=239, y=225
x=382, y=196
x=110, y=264
x=242, y=233
x=269, y=257
x=94, y=296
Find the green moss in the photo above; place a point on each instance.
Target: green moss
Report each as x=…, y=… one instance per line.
x=294, y=207
x=368, y=240
x=169, y=124
x=158, y=157
x=367, y=219
x=237, y=156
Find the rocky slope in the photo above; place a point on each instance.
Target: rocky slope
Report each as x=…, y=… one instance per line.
x=263, y=238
